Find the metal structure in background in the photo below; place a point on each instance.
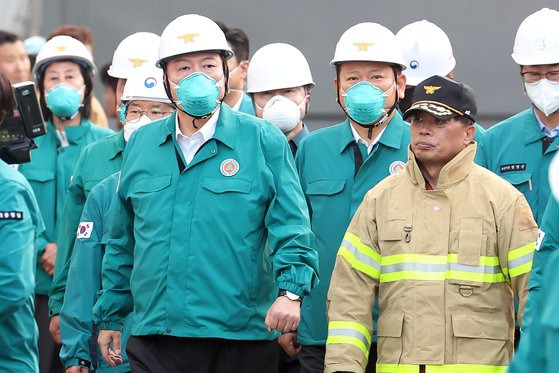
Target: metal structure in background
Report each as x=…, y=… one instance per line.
x=482, y=34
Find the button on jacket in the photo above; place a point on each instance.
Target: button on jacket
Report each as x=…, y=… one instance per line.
x=201, y=249
x=446, y=263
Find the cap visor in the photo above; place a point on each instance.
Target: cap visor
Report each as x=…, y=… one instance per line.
x=438, y=111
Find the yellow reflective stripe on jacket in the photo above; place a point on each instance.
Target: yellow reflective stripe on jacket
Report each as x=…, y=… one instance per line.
x=360, y=256
x=349, y=332
x=439, y=268
x=520, y=260
x=446, y=368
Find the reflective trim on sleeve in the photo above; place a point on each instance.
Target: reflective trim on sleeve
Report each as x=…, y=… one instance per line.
x=360, y=256
x=446, y=368
x=439, y=268
x=349, y=332
x=520, y=260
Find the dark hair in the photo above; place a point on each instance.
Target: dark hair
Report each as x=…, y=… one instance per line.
x=6, y=97
x=8, y=37
x=106, y=79
x=85, y=110
x=79, y=32
x=237, y=39
x=465, y=120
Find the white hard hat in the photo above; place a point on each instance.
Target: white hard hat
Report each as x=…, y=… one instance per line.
x=135, y=51
x=554, y=177
x=278, y=66
x=537, y=39
x=192, y=33
x=368, y=42
x=63, y=48
x=426, y=50
x=145, y=84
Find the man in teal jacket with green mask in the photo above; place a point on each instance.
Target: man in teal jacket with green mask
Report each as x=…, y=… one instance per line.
x=339, y=164
x=213, y=245
x=520, y=148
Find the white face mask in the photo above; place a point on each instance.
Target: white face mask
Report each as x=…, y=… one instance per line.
x=131, y=127
x=544, y=94
x=282, y=112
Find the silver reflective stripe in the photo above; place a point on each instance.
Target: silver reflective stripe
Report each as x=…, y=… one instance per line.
x=475, y=269
x=349, y=333
x=520, y=261
x=419, y=267
x=360, y=256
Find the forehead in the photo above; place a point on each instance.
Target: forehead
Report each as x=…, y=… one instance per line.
x=364, y=66
x=62, y=67
x=553, y=66
x=195, y=57
x=142, y=104
x=16, y=47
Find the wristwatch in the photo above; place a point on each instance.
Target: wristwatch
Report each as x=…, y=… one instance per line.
x=291, y=296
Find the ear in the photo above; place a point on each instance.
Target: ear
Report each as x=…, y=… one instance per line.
x=469, y=132
x=244, y=68
x=401, y=85
x=336, y=88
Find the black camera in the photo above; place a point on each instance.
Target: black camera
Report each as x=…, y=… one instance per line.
x=19, y=128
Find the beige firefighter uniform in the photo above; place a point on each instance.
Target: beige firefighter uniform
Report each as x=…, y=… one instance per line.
x=445, y=264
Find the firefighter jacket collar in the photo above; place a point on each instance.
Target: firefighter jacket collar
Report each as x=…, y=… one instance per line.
x=453, y=172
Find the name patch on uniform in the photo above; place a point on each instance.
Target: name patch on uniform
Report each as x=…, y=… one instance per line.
x=84, y=230
x=512, y=167
x=11, y=215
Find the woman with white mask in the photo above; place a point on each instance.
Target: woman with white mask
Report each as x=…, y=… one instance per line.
x=280, y=81
x=64, y=73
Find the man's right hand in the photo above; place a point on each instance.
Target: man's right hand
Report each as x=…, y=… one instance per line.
x=77, y=369
x=106, y=337
x=48, y=259
x=288, y=342
x=54, y=328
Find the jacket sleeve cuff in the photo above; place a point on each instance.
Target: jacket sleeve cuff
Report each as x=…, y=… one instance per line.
x=54, y=307
x=293, y=288
x=78, y=362
x=111, y=325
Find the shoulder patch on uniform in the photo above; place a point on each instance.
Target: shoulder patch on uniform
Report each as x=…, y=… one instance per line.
x=84, y=230
x=396, y=167
x=11, y=215
x=541, y=235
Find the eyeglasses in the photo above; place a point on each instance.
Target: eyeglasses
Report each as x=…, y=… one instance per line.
x=532, y=77
x=134, y=115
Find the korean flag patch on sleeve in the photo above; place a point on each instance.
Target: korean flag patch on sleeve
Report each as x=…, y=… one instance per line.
x=84, y=230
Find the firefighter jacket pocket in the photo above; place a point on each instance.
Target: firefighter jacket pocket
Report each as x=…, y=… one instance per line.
x=390, y=326
x=481, y=338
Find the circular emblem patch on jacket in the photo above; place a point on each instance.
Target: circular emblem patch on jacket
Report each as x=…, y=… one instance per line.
x=396, y=166
x=229, y=167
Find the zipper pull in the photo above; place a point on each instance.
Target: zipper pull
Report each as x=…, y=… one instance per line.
x=408, y=230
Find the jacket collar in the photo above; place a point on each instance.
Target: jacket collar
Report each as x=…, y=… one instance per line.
x=453, y=172
x=116, y=145
x=392, y=136
x=73, y=133
x=225, y=129
x=531, y=127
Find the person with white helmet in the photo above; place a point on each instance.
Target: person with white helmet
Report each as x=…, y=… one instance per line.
x=236, y=97
x=427, y=51
x=279, y=81
x=144, y=101
x=64, y=73
x=540, y=341
x=337, y=165
x=136, y=51
x=134, y=54
x=521, y=147
x=211, y=222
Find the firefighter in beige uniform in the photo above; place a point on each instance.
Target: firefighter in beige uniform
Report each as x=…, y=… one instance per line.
x=447, y=244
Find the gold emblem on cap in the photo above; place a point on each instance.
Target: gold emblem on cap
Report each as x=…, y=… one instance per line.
x=137, y=62
x=188, y=38
x=430, y=89
x=61, y=48
x=363, y=46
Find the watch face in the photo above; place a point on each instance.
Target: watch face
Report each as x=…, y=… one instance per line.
x=292, y=296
